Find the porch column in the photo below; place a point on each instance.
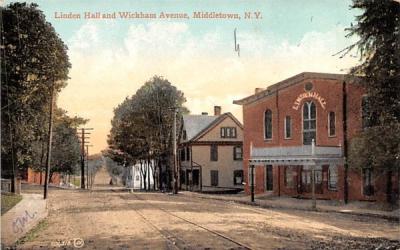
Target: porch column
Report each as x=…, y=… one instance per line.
x=314, y=200
x=252, y=182
x=186, y=179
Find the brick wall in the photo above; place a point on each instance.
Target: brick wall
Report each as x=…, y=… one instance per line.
x=281, y=104
x=35, y=177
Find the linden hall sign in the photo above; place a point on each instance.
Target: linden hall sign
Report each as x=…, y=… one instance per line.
x=310, y=94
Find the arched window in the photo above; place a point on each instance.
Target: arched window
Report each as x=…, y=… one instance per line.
x=309, y=123
x=268, y=124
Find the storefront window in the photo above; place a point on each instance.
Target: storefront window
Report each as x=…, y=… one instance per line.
x=289, y=173
x=332, y=177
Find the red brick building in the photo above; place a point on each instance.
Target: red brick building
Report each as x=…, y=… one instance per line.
x=36, y=177
x=281, y=123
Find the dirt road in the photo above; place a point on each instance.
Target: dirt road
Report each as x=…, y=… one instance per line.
x=115, y=219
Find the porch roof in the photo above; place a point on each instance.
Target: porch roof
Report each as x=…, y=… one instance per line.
x=299, y=155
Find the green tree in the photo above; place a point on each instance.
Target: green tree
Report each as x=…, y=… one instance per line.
x=66, y=150
x=142, y=127
x=34, y=59
x=378, y=28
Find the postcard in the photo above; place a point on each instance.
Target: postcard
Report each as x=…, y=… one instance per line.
x=225, y=124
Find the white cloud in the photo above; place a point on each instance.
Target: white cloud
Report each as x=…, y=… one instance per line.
x=85, y=38
x=206, y=68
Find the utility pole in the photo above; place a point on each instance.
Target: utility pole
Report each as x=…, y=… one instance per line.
x=49, y=140
x=83, y=142
x=175, y=165
x=87, y=166
x=252, y=183
x=89, y=181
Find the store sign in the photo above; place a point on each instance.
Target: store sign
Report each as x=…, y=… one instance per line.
x=313, y=95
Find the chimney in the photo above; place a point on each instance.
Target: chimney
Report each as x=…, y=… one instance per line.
x=217, y=110
x=258, y=90
x=204, y=113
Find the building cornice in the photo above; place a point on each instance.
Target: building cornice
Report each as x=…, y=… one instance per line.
x=272, y=89
x=203, y=143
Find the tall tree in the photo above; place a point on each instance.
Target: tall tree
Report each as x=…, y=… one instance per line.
x=66, y=149
x=34, y=60
x=378, y=28
x=142, y=125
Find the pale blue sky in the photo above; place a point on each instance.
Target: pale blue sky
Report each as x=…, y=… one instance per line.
x=112, y=59
x=285, y=19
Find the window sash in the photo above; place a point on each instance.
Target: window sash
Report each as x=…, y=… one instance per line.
x=228, y=132
x=268, y=124
x=214, y=153
x=288, y=127
x=309, y=123
x=332, y=124
x=233, y=133
x=237, y=153
x=237, y=177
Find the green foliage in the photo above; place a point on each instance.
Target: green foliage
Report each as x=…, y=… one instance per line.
x=8, y=201
x=378, y=28
x=66, y=149
x=34, y=58
x=142, y=124
x=381, y=154
x=33, y=233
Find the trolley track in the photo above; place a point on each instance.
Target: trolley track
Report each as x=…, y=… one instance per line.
x=177, y=241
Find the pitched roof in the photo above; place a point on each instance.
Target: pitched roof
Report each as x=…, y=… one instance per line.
x=194, y=124
x=272, y=89
x=198, y=125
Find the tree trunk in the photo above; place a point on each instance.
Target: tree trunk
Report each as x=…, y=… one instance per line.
x=159, y=175
x=154, y=175
x=50, y=176
x=148, y=175
x=143, y=173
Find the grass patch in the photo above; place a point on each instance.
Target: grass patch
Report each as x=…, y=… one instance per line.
x=33, y=233
x=9, y=200
x=76, y=182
